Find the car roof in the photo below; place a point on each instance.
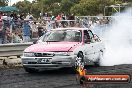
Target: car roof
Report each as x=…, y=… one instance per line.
x=71, y=28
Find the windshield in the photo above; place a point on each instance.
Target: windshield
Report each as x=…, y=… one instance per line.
x=62, y=35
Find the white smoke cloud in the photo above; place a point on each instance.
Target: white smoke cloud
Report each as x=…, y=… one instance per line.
x=119, y=40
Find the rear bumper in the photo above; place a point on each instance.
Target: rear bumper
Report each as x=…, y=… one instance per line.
x=54, y=62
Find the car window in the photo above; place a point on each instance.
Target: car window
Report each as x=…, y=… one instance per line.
x=90, y=34
x=86, y=37
x=63, y=35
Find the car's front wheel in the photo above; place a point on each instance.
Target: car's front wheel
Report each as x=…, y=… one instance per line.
x=79, y=60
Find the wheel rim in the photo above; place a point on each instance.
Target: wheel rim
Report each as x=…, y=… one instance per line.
x=79, y=60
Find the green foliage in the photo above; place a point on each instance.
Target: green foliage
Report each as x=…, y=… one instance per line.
x=23, y=6
x=4, y=2
x=66, y=5
x=35, y=9
x=90, y=7
x=78, y=7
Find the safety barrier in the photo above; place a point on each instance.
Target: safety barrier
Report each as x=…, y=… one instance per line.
x=13, y=49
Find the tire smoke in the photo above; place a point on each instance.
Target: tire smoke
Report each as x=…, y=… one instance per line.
x=118, y=40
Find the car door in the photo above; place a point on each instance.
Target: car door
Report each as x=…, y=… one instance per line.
x=91, y=46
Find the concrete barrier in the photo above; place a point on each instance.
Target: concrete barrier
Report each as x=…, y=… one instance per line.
x=13, y=49
x=10, y=61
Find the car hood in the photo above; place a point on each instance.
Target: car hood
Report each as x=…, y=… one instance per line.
x=52, y=46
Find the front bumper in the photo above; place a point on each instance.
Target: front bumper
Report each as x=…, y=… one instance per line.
x=55, y=62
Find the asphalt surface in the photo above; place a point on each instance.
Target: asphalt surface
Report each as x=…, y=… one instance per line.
x=18, y=78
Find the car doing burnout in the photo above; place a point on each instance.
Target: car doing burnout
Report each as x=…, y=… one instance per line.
x=59, y=48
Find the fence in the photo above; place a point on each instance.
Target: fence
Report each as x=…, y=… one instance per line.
x=13, y=49
x=13, y=32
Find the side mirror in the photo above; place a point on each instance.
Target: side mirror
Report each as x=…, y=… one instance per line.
x=96, y=38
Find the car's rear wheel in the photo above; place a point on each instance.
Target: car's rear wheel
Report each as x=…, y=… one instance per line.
x=30, y=70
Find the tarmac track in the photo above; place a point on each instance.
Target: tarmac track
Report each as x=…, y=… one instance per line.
x=18, y=78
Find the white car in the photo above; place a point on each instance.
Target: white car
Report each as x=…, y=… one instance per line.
x=60, y=47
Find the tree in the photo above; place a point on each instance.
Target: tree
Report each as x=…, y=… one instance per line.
x=35, y=9
x=90, y=7
x=77, y=7
x=66, y=5
x=4, y=2
x=57, y=6
x=23, y=6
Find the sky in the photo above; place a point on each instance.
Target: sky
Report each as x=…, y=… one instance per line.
x=14, y=1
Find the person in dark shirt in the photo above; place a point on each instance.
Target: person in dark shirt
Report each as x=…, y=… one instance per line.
x=1, y=34
x=71, y=17
x=22, y=16
x=63, y=18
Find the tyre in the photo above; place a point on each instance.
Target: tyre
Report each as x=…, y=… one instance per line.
x=79, y=60
x=30, y=70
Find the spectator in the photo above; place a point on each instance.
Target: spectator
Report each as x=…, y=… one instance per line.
x=53, y=21
x=48, y=25
x=8, y=36
x=71, y=17
x=78, y=25
x=15, y=16
x=22, y=16
x=40, y=31
x=63, y=22
x=85, y=22
x=4, y=19
x=1, y=14
x=26, y=31
x=58, y=18
x=1, y=33
x=34, y=30
x=29, y=17
x=16, y=38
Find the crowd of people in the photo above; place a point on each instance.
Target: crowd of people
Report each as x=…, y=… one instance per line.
x=15, y=28
x=60, y=20
x=18, y=28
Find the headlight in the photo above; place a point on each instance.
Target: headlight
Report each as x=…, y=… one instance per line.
x=27, y=54
x=63, y=53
